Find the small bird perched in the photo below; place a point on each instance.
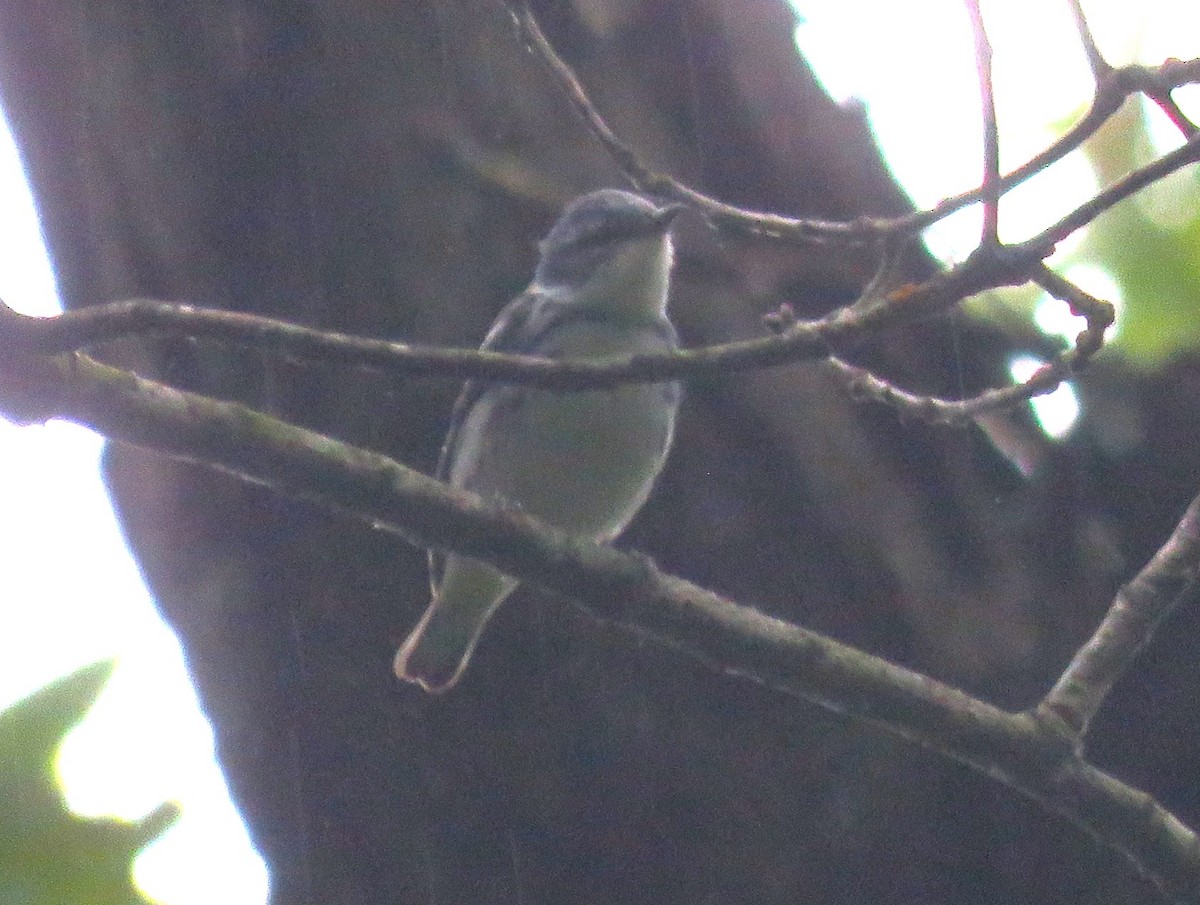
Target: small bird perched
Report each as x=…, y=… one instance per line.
x=581, y=461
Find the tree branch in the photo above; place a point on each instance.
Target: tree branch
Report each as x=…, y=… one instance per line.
x=1139, y=608
x=1099, y=315
x=1111, y=93
x=795, y=340
x=1130, y=184
x=721, y=215
x=1026, y=753
x=990, y=187
x=1100, y=66
x=799, y=340
x=1166, y=103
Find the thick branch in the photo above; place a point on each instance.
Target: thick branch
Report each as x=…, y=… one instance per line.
x=1020, y=750
x=1139, y=608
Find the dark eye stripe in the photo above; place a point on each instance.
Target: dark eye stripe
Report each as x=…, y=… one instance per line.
x=606, y=231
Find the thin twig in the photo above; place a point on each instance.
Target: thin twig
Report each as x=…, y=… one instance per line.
x=1167, y=104
x=1100, y=66
x=1139, y=608
x=1129, y=184
x=991, y=135
x=933, y=410
x=1030, y=755
x=1098, y=314
x=1110, y=94
x=1101, y=110
x=1157, y=83
x=94, y=325
x=626, y=158
x=661, y=185
x=796, y=340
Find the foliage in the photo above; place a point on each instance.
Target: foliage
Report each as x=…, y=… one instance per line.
x=48, y=855
x=1150, y=249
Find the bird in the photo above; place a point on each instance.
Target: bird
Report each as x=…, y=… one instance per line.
x=580, y=461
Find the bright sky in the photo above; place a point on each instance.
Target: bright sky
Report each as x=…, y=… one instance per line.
x=72, y=595
x=914, y=67
x=146, y=742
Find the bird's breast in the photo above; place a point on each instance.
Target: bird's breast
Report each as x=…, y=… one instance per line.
x=583, y=461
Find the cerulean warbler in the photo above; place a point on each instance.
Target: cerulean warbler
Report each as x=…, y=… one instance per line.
x=582, y=461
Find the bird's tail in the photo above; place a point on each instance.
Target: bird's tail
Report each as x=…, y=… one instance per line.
x=437, y=652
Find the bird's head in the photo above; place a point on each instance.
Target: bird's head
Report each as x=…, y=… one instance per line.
x=610, y=248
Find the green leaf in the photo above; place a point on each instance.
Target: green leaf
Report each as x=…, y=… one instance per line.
x=48, y=855
x=1150, y=245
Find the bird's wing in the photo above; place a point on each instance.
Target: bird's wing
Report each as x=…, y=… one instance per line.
x=510, y=332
